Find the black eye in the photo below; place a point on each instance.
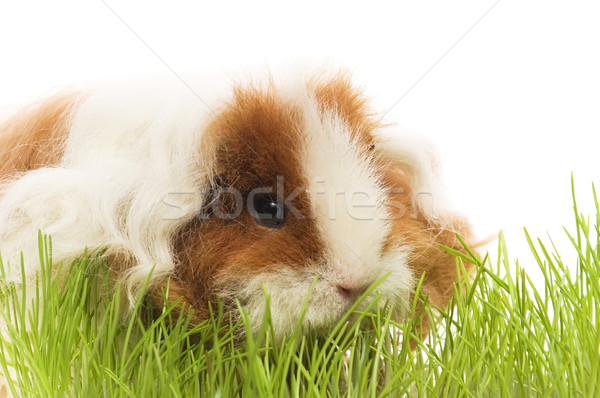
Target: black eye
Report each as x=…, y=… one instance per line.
x=267, y=210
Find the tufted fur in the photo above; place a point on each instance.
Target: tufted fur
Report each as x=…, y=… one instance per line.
x=157, y=176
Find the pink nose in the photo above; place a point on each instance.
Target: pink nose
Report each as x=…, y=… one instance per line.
x=351, y=291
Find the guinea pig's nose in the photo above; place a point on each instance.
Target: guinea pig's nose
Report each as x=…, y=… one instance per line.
x=351, y=291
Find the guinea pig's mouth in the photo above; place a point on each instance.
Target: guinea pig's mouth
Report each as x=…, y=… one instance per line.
x=318, y=310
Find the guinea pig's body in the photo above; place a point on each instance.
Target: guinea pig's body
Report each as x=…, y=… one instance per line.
x=228, y=190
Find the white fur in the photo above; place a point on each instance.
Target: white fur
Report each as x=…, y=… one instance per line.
x=131, y=146
x=417, y=153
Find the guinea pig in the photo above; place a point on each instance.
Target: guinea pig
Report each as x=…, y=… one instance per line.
x=227, y=189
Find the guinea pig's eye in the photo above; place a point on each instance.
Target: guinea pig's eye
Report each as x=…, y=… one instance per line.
x=267, y=210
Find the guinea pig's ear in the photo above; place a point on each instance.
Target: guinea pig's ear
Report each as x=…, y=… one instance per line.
x=421, y=216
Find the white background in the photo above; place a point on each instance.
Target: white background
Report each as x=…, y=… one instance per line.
x=508, y=91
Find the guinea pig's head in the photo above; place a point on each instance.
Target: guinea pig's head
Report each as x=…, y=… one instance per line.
x=309, y=199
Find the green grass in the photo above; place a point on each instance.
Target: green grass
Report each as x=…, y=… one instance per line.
x=503, y=336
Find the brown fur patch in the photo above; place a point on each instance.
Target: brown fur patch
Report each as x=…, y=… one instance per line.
x=35, y=137
x=340, y=97
x=411, y=227
x=258, y=138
